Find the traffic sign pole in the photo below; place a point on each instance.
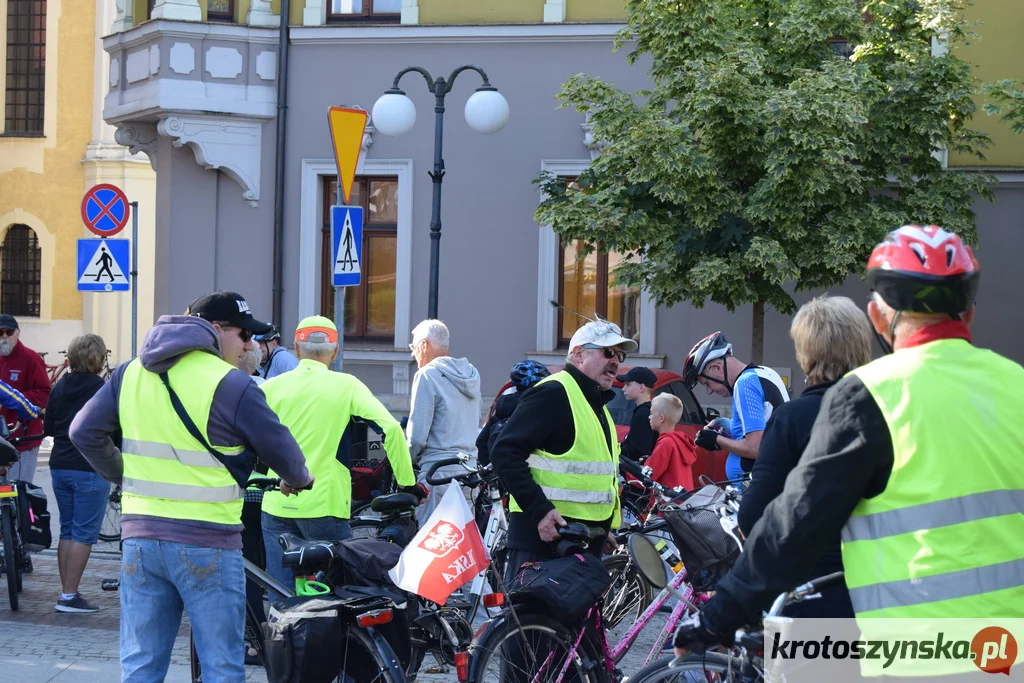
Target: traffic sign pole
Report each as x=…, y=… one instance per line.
x=134, y=274
x=339, y=307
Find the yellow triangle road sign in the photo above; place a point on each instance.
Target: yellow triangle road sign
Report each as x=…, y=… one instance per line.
x=347, y=128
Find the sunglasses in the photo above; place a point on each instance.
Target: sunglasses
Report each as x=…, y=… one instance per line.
x=7, y=333
x=609, y=353
x=244, y=335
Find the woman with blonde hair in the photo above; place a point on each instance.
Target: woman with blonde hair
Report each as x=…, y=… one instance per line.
x=832, y=337
x=81, y=493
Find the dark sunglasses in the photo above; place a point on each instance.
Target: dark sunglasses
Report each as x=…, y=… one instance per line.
x=609, y=353
x=244, y=335
x=7, y=333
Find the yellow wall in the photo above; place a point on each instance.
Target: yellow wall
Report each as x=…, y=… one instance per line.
x=480, y=11
x=51, y=192
x=997, y=53
x=595, y=10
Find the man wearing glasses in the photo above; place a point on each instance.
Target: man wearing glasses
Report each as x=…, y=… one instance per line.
x=558, y=454
x=23, y=369
x=192, y=428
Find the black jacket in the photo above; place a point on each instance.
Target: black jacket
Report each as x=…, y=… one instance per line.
x=71, y=393
x=503, y=408
x=849, y=457
x=542, y=420
x=639, y=442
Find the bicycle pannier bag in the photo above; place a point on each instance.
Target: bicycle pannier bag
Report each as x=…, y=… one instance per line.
x=564, y=588
x=706, y=549
x=304, y=640
x=34, y=519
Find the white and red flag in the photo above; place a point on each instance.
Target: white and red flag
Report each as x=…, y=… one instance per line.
x=447, y=553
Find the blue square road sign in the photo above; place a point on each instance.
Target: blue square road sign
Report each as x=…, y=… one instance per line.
x=103, y=265
x=347, y=245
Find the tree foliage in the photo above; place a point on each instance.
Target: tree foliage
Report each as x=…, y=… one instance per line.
x=769, y=152
x=1007, y=103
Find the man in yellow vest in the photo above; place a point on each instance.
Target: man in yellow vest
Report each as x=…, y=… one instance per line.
x=558, y=454
x=915, y=458
x=318, y=405
x=192, y=427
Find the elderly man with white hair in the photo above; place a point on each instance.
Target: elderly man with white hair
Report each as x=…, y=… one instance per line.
x=317, y=405
x=444, y=417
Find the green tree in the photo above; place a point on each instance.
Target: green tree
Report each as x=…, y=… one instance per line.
x=769, y=153
x=1007, y=103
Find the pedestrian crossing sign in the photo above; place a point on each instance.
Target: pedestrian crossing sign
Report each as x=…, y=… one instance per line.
x=347, y=241
x=103, y=265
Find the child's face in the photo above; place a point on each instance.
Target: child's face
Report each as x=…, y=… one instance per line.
x=657, y=420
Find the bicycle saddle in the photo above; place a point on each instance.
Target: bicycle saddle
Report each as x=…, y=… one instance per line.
x=289, y=542
x=393, y=501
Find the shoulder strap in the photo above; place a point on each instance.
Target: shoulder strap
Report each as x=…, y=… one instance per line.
x=187, y=421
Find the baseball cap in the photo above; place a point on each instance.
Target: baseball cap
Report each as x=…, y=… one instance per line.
x=316, y=329
x=228, y=307
x=640, y=375
x=601, y=334
x=8, y=322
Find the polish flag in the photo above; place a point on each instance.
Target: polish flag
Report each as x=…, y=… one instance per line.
x=447, y=553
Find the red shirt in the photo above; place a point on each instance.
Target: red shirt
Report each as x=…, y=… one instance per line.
x=673, y=454
x=25, y=371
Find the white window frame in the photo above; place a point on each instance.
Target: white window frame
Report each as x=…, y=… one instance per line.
x=311, y=218
x=547, y=277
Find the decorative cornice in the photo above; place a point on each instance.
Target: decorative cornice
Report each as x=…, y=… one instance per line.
x=484, y=33
x=228, y=143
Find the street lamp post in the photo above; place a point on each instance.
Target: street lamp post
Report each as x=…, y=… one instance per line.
x=395, y=114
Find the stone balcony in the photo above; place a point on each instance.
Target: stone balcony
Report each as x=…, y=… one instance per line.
x=208, y=86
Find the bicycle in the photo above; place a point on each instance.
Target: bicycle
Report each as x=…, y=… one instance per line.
x=10, y=522
x=744, y=662
x=55, y=372
x=110, y=530
x=365, y=648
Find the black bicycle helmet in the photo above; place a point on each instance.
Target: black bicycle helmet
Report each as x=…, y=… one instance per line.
x=710, y=348
x=526, y=373
x=270, y=335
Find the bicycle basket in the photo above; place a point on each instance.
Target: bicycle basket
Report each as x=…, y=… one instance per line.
x=707, y=550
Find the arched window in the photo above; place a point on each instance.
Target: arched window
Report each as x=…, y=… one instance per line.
x=20, y=268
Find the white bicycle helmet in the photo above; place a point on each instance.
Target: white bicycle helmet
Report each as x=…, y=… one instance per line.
x=711, y=347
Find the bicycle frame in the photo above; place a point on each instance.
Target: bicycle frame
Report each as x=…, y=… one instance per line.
x=620, y=648
x=497, y=523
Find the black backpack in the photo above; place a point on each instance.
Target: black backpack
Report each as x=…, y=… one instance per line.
x=34, y=519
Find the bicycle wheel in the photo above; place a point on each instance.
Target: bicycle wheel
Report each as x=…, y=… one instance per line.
x=366, y=527
x=12, y=562
x=710, y=667
x=534, y=653
x=626, y=599
x=367, y=658
x=110, y=531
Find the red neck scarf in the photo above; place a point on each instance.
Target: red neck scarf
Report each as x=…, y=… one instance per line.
x=947, y=329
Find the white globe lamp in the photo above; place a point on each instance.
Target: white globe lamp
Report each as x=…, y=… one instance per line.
x=486, y=110
x=393, y=113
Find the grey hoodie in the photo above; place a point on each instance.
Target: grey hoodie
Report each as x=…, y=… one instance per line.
x=239, y=416
x=445, y=413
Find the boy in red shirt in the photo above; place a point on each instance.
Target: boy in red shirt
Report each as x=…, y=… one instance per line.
x=674, y=451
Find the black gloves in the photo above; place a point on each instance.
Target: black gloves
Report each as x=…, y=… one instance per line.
x=694, y=635
x=418, y=490
x=708, y=440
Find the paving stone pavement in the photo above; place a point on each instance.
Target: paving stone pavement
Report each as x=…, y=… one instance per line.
x=40, y=645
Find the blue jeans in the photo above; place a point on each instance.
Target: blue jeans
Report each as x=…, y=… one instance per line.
x=158, y=579
x=82, y=501
x=311, y=529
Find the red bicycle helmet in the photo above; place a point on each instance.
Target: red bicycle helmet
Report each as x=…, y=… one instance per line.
x=924, y=270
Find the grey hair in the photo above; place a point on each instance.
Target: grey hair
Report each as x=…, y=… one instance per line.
x=434, y=331
x=316, y=349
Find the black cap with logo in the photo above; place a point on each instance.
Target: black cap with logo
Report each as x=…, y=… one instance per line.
x=227, y=307
x=640, y=375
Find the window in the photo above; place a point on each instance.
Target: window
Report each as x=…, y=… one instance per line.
x=220, y=10
x=377, y=10
x=370, y=307
x=588, y=286
x=20, y=268
x=26, y=63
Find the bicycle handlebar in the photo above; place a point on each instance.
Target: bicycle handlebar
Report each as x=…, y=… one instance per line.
x=441, y=481
x=270, y=483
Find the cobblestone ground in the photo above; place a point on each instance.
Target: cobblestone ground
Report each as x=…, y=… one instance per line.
x=42, y=645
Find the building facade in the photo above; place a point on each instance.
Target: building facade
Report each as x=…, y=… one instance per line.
x=54, y=145
x=193, y=83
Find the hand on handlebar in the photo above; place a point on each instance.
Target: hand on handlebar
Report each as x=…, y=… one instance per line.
x=288, y=490
x=611, y=544
x=549, y=525
x=693, y=635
